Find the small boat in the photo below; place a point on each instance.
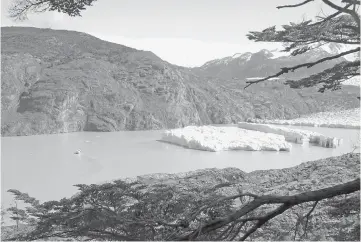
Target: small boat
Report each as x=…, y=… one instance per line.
x=77, y=152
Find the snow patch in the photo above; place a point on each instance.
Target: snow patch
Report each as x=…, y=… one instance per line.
x=335, y=48
x=297, y=136
x=225, y=61
x=277, y=53
x=237, y=55
x=243, y=56
x=354, y=81
x=210, y=138
x=211, y=62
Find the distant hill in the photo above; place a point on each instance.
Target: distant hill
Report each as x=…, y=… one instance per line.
x=55, y=81
x=267, y=62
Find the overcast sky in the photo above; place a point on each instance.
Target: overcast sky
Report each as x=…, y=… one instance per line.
x=182, y=32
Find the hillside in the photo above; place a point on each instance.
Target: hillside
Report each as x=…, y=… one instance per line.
x=55, y=81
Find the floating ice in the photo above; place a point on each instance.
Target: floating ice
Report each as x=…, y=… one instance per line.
x=212, y=138
x=77, y=152
x=294, y=135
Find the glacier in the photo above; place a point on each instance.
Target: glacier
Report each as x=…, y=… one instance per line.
x=294, y=135
x=347, y=119
x=212, y=138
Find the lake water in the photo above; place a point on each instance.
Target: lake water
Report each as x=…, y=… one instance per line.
x=46, y=167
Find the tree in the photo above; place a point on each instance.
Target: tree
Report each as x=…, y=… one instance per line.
x=134, y=211
x=20, y=8
x=343, y=27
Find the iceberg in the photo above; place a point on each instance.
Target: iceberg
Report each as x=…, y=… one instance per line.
x=347, y=119
x=211, y=138
x=294, y=135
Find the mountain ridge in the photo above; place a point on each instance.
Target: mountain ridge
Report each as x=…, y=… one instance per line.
x=268, y=62
x=56, y=81
x=331, y=48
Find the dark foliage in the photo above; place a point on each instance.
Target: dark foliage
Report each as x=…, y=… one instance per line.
x=134, y=211
x=73, y=8
x=342, y=27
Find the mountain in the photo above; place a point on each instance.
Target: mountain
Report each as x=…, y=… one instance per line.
x=334, y=49
x=55, y=81
x=265, y=62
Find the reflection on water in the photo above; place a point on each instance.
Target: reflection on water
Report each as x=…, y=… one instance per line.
x=46, y=167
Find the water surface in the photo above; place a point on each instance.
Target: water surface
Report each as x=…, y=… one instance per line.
x=46, y=167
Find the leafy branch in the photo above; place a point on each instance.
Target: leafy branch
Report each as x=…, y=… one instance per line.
x=341, y=27
x=286, y=201
x=20, y=8
x=285, y=70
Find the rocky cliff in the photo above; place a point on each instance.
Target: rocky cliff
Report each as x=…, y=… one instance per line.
x=55, y=81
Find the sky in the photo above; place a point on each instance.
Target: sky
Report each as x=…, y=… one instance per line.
x=182, y=32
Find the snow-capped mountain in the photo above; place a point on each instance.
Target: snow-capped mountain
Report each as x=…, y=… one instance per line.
x=243, y=57
x=335, y=49
x=240, y=57
x=268, y=62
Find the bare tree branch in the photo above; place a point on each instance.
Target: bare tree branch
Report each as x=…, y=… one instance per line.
x=331, y=77
x=238, y=230
x=308, y=65
x=295, y=5
x=266, y=218
x=296, y=226
x=219, y=201
x=354, y=14
x=307, y=218
x=228, y=229
x=340, y=41
x=331, y=16
x=355, y=2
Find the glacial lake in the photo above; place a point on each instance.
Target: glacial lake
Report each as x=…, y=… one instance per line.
x=46, y=167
